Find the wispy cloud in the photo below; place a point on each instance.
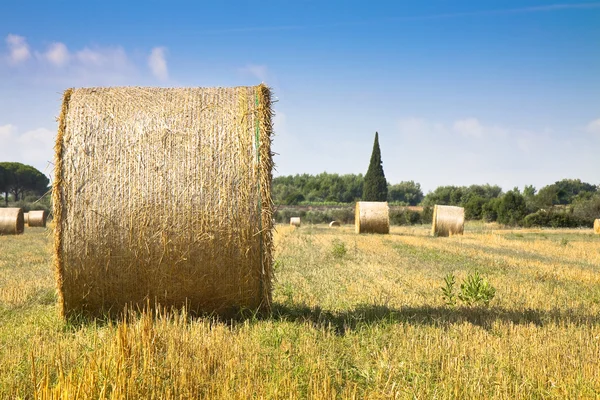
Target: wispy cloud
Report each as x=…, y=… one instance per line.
x=90, y=65
x=33, y=147
x=593, y=127
x=57, y=54
x=257, y=71
x=408, y=18
x=158, y=63
x=18, y=49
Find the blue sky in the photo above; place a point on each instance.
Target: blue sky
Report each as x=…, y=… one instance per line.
x=461, y=92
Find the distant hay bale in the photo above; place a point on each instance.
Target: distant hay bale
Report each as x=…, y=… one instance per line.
x=597, y=226
x=295, y=221
x=372, y=217
x=37, y=218
x=334, y=224
x=163, y=196
x=26, y=218
x=11, y=221
x=448, y=221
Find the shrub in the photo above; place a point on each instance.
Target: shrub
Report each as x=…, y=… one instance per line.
x=473, y=291
x=554, y=219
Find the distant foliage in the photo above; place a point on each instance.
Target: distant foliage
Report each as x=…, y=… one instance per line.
x=296, y=189
x=408, y=193
x=511, y=208
x=20, y=179
x=556, y=219
x=375, y=186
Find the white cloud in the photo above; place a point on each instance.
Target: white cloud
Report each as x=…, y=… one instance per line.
x=57, y=54
x=18, y=49
x=593, y=127
x=279, y=123
x=469, y=127
x=501, y=155
x=158, y=63
x=107, y=57
x=87, y=66
x=34, y=147
x=257, y=71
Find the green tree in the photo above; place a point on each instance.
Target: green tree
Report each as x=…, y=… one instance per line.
x=512, y=208
x=20, y=179
x=407, y=192
x=375, y=186
x=4, y=182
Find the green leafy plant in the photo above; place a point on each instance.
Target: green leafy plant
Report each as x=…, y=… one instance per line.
x=338, y=249
x=448, y=290
x=475, y=290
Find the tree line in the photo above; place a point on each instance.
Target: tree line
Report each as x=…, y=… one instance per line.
x=19, y=180
x=565, y=203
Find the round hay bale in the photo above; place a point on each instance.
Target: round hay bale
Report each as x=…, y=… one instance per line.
x=295, y=221
x=448, y=221
x=11, y=221
x=37, y=218
x=334, y=224
x=372, y=217
x=597, y=226
x=26, y=218
x=162, y=196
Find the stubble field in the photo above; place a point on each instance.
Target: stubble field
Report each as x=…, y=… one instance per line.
x=354, y=316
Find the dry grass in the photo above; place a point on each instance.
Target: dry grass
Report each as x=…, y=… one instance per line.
x=365, y=322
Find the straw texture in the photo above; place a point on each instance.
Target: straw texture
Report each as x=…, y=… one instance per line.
x=26, y=218
x=37, y=218
x=334, y=224
x=597, y=226
x=372, y=217
x=448, y=221
x=11, y=221
x=163, y=196
x=295, y=221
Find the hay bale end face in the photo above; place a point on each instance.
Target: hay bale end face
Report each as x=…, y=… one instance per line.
x=12, y=221
x=334, y=224
x=448, y=221
x=295, y=221
x=163, y=196
x=372, y=217
x=597, y=226
x=37, y=218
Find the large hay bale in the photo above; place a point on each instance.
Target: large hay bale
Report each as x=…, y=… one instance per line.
x=295, y=221
x=37, y=218
x=448, y=220
x=164, y=196
x=11, y=221
x=26, y=218
x=597, y=226
x=372, y=217
x=334, y=224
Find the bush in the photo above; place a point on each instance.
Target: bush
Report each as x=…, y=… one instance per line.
x=405, y=217
x=554, y=219
x=511, y=208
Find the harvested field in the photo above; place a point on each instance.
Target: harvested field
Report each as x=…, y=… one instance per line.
x=354, y=316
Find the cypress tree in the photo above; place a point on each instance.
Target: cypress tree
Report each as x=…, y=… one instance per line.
x=375, y=185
